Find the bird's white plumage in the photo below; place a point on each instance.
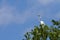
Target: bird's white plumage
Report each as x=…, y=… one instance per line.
x=42, y=22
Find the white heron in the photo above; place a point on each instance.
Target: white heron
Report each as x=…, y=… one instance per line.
x=41, y=22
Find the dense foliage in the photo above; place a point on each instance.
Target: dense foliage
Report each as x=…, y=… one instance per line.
x=42, y=32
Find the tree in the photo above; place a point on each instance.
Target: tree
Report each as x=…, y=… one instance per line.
x=42, y=32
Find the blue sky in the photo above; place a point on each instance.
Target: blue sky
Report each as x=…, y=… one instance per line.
x=19, y=16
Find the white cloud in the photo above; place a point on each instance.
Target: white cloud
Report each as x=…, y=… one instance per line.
x=10, y=14
x=5, y=15
x=45, y=2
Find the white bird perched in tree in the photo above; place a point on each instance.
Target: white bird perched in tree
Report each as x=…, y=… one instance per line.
x=41, y=22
